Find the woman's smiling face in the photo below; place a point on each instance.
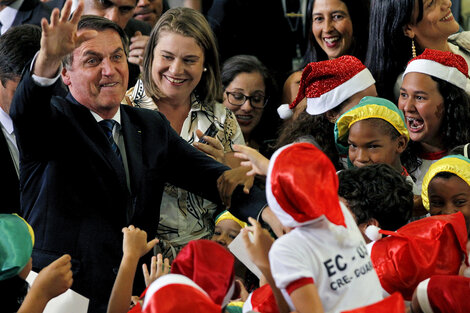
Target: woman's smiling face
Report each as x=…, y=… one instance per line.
x=332, y=27
x=437, y=23
x=177, y=66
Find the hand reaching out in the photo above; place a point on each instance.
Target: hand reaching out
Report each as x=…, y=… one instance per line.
x=135, y=242
x=229, y=180
x=253, y=159
x=158, y=268
x=259, y=248
x=213, y=147
x=54, y=279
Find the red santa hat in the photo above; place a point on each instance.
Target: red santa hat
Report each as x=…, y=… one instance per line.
x=209, y=265
x=444, y=294
x=435, y=245
x=391, y=304
x=177, y=293
x=261, y=300
x=447, y=66
x=302, y=186
x=327, y=84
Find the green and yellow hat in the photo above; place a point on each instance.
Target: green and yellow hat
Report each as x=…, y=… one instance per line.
x=455, y=164
x=226, y=215
x=16, y=245
x=368, y=107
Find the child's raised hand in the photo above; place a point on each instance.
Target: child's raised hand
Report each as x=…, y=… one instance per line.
x=158, y=268
x=135, y=242
x=54, y=279
x=252, y=158
x=262, y=242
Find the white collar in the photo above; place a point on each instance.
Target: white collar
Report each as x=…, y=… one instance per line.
x=116, y=117
x=6, y=121
x=8, y=14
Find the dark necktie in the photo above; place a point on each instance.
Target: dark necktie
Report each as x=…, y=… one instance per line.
x=107, y=126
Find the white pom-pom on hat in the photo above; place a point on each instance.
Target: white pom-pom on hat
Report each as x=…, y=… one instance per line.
x=372, y=232
x=285, y=111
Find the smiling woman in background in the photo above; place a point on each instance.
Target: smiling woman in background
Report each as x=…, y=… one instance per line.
x=402, y=29
x=247, y=86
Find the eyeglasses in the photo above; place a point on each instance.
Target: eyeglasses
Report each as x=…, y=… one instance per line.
x=237, y=98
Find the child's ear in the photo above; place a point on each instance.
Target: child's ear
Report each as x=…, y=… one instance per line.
x=332, y=117
x=402, y=142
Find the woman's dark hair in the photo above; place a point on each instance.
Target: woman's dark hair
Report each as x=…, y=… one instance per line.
x=246, y=64
x=317, y=126
x=389, y=50
x=359, y=13
x=455, y=128
x=377, y=191
x=13, y=291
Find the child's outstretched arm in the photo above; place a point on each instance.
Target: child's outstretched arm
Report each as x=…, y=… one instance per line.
x=134, y=246
x=52, y=281
x=258, y=251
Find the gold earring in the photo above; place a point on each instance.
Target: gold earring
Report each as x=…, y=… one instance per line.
x=413, y=48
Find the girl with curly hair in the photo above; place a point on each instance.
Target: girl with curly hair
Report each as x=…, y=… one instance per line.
x=436, y=108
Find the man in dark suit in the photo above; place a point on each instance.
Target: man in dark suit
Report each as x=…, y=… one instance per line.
x=17, y=47
x=83, y=182
x=22, y=12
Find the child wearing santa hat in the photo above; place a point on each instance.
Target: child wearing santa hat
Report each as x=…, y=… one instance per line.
x=331, y=87
x=16, y=246
x=436, y=107
x=322, y=264
x=177, y=293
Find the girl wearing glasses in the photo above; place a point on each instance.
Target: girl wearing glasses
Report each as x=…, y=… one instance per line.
x=181, y=79
x=247, y=85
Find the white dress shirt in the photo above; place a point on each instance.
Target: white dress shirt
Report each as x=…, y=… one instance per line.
x=8, y=15
x=7, y=128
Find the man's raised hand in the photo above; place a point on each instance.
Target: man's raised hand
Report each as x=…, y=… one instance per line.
x=59, y=38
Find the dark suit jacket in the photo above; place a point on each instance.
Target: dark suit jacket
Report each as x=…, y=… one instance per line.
x=31, y=12
x=74, y=191
x=9, y=185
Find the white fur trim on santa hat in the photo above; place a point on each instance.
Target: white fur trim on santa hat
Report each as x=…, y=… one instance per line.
x=336, y=96
x=422, y=294
x=169, y=279
x=285, y=111
x=283, y=217
x=436, y=69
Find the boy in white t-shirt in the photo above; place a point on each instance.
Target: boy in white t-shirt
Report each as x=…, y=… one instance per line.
x=322, y=264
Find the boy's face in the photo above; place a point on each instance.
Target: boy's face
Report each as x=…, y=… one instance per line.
x=225, y=231
x=448, y=196
x=370, y=145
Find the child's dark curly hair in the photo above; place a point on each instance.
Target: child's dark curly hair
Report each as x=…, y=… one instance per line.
x=316, y=126
x=377, y=191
